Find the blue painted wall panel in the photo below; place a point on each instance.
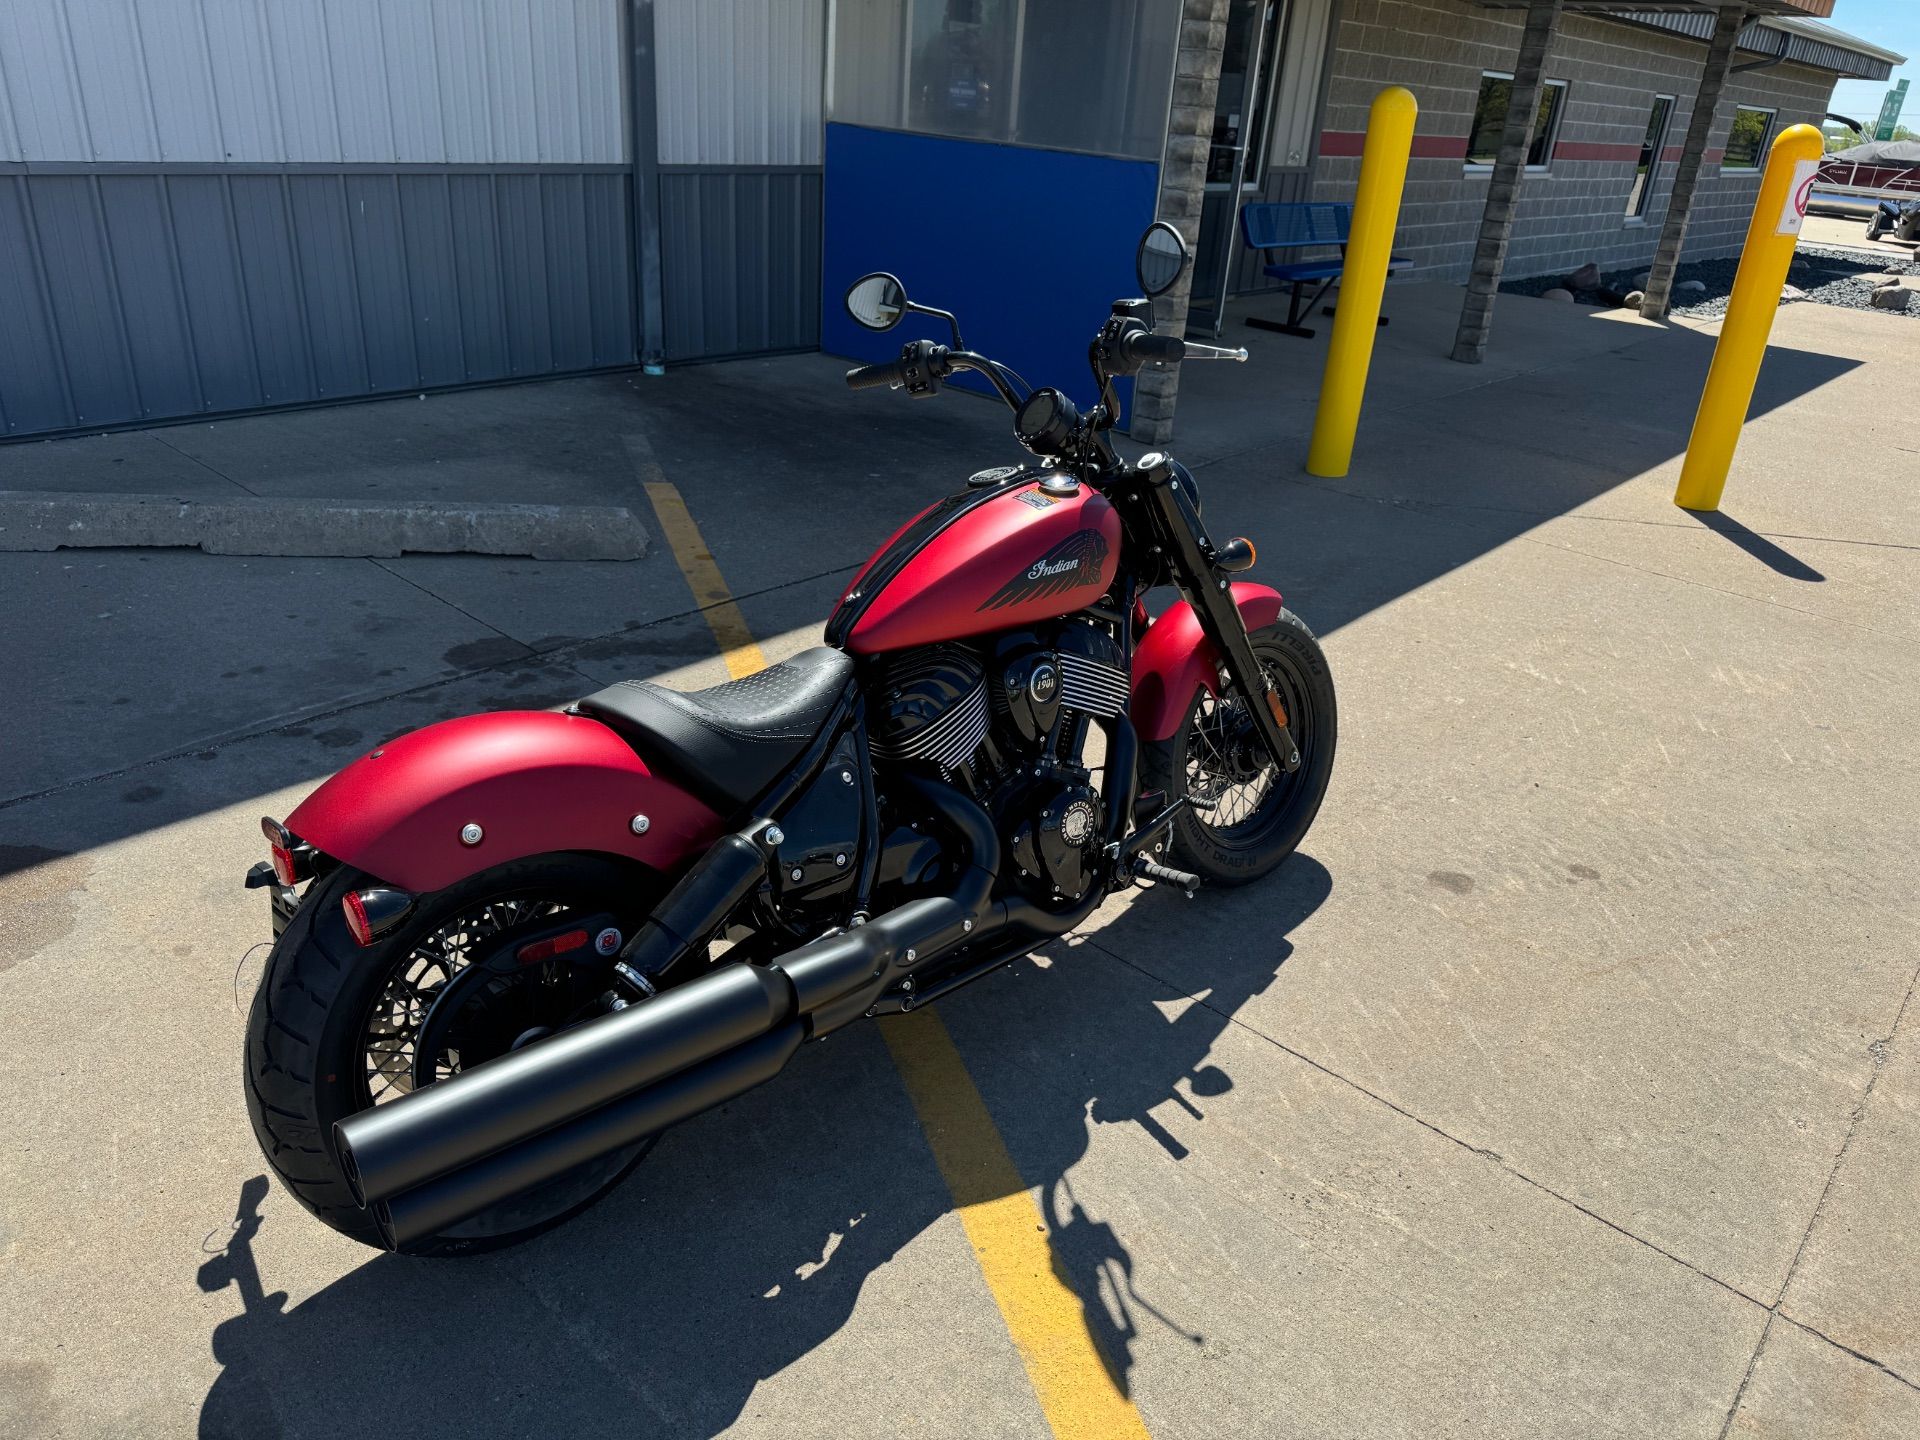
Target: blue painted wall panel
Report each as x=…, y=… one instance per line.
x=1030, y=248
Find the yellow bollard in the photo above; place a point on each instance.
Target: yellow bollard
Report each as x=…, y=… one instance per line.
x=1771, y=236
x=1363, y=280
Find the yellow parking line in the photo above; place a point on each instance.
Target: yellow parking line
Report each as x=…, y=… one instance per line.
x=737, y=645
x=1009, y=1237
x=1003, y=1223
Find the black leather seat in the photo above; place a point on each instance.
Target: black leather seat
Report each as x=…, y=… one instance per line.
x=729, y=743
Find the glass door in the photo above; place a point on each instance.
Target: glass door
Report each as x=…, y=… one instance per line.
x=1237, y=149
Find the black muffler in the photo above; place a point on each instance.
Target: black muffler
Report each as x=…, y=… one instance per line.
x=438, y=1205
x=443, y=1153
x=442, y=1127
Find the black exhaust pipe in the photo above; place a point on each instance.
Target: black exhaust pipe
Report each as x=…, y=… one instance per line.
x=539, y=1111
x=442, y=1127
x=433, y=1158
x=438, y=1205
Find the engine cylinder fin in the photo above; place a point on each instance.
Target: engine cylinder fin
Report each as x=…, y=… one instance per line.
x=1091, y=686
x=937, y=708
x=949, y=740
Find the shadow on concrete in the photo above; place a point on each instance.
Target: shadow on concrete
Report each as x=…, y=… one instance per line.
x=745, y=1240
x=1780, y=561
x=1453, y=461
x=171, y=656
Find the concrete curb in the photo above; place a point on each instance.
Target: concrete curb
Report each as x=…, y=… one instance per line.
x=50, y=520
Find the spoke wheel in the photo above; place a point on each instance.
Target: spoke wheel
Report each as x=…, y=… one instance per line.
x=337, y=1028
x=1247, y=814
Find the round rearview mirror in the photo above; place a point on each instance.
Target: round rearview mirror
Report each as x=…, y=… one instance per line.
x=877, y=301
x=1160, y=259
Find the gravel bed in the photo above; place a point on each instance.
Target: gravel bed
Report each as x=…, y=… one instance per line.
x=1828, y=276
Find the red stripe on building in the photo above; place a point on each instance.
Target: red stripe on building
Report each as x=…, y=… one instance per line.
x=1427, y=147
x=1673, y=152
x=1594, y=150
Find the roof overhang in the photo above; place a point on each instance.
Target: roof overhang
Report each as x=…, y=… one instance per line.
x=1819, y=9
x=1779, y=30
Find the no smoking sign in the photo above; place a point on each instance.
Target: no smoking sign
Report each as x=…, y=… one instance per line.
x=1794, y=210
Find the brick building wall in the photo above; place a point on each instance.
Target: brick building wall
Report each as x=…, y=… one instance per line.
x=1576, y=211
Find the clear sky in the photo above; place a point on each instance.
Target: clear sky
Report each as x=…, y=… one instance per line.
x=1892, y=25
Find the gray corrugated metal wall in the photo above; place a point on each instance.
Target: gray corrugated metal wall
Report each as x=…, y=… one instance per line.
x=211, y=205
x=740, y=131
x=509, y=82
x=146, y=296
x=741, y=261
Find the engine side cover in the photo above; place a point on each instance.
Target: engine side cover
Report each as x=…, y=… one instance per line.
x=1017, y=557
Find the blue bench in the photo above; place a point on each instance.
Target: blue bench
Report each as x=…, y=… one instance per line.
x=1270, y=227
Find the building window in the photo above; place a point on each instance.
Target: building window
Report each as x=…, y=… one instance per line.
x=1747, y=139
x=1490, y=121
x=1648, y=168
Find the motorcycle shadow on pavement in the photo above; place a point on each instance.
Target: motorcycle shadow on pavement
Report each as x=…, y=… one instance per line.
x=746, y=1240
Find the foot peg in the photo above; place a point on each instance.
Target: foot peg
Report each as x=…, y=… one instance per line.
x=1147, y=869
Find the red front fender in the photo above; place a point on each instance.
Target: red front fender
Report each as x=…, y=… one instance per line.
x=1175, y=660
x=534, y=781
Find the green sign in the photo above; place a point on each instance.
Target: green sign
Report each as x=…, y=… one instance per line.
x=1890, y=112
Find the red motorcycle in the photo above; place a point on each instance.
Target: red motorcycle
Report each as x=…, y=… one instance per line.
x=512, y=948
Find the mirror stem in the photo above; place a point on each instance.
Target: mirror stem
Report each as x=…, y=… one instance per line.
x=953, y=322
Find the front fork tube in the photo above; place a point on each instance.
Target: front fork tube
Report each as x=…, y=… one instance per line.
x=1211, y=596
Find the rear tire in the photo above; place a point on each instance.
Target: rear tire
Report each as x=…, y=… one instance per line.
x=307, y=1052
x=1217, y=756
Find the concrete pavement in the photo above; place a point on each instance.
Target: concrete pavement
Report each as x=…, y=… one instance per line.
x=1564, y=1084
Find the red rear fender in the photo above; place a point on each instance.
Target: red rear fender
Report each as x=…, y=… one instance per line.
x=533, y=781
x=1175, y=661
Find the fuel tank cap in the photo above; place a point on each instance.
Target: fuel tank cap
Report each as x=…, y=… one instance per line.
x=1060, y=484
x=998, y=475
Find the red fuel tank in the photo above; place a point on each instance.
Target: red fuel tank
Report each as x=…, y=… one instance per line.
x=975, y=564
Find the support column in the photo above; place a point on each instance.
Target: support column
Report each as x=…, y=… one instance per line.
x=643, y=126
x=1183, y=177
x=1673, y=230
x=1503, y=189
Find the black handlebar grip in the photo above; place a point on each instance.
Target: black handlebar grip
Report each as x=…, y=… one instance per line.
x=1147, y=348
x=876, y=377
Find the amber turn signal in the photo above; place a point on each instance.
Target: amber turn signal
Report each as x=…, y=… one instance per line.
x=1236, y=555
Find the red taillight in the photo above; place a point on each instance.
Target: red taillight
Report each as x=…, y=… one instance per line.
x=356, y=912
x=292, y=859
x=538, y=950
x=375, y=912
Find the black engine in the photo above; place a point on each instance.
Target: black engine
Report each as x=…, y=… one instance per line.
x=1008, y=718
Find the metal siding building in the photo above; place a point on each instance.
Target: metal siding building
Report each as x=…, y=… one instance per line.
x=218, y=205
x=740, y=165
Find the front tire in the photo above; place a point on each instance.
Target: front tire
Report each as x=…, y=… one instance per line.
x=328, y=1032
x=1259, y=814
